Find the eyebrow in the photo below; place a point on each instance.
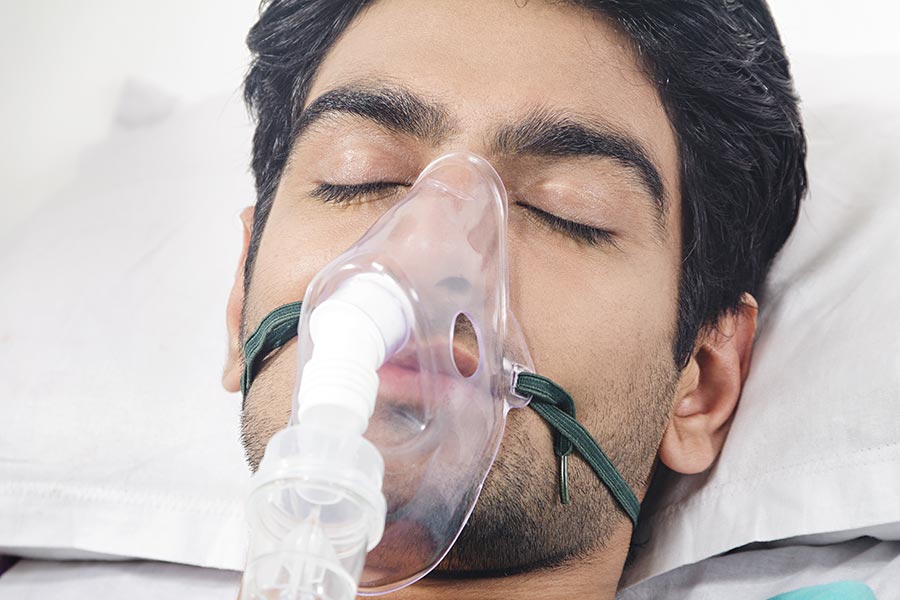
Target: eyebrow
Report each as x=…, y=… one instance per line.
x=397, y=109
x=547, y=133
x=542, y=132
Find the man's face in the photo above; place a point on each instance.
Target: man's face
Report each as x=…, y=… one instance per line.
x=546, y=93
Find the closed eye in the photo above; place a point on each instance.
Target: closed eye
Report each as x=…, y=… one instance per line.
x=593, y=236
x=347, y=193
x=360, y=192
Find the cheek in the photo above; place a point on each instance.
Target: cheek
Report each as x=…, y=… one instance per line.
x=299, y=239
x=588, y=313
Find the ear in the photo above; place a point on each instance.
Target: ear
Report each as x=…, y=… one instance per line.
x=234, y=364
x=708, y=392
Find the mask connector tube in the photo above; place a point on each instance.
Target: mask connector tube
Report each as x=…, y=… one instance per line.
x=317, y=507
x=354, y=331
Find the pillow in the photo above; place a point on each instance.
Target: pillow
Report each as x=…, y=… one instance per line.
x=117, y=438
x=814, y=449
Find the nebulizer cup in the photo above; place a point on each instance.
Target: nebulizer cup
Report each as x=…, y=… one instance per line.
x=398, y=411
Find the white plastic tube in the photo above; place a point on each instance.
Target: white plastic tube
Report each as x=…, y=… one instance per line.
x=317, y=506
x=353, y=332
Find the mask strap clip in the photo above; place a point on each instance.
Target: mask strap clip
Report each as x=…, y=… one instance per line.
x=557, y=408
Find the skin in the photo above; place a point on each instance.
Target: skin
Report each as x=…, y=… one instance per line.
x=598, y=319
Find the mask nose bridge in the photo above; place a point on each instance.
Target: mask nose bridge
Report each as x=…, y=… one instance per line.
x=455, y=177
x=448, y=204
x=464, y=175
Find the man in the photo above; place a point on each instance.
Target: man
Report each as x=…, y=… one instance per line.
x=654, y=159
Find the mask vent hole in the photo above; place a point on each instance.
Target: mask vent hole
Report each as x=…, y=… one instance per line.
x=465, y=350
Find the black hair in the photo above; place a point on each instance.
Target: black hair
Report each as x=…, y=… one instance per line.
x=723, y=77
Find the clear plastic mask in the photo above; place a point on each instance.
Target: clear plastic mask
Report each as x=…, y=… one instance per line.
x=443, y=396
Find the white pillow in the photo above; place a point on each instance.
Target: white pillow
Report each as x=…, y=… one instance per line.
x=117, y=437
x=815, y=444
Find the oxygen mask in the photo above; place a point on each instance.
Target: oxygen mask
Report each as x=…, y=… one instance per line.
x=409, y=360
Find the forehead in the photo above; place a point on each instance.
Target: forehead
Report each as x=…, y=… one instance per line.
x=492, y=61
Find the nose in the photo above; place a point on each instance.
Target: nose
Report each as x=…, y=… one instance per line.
x=465, y=175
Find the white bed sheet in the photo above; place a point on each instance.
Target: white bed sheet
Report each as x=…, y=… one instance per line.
x=768, y=571
x=135, y=580
x=746, y=575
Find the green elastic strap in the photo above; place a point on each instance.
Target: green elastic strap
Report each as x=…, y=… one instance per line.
x=554, y=399
x=557, y=408
x=277, y=329
x=548, y=400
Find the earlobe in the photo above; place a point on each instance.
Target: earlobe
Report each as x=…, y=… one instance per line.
x=708, y=392
x=234, y=363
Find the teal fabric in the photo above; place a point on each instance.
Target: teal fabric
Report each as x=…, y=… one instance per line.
x=841, y=590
